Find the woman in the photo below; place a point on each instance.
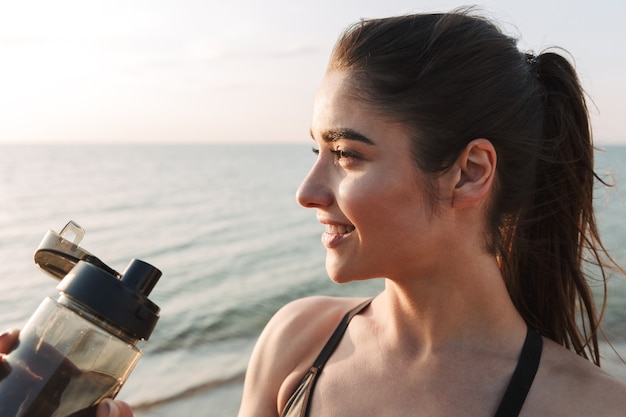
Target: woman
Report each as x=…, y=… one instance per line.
x=461, y=171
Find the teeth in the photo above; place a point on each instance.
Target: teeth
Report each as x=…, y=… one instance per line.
x=338, y=229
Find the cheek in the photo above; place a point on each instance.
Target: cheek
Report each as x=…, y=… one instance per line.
x=379, y=200
x=356, y=195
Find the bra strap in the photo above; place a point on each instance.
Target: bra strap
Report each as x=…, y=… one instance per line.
x=332, y=343
x=523, y=376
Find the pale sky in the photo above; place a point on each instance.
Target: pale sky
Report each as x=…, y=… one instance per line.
x=239, y=70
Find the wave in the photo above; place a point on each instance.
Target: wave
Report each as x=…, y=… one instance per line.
x=190, y=392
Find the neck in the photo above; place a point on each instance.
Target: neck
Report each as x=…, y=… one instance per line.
x=452, y=308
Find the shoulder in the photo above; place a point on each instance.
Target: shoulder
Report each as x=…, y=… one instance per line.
x=287, y=348
x=307, y=317
x=301, y=328
x=569, y=385
x=297, y=330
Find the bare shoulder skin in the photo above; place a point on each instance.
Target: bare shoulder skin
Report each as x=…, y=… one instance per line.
x=568, y=385
x=286, y=349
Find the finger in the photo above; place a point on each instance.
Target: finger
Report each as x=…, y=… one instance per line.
x=8, y=339
x=125, y=410
x=110, y=408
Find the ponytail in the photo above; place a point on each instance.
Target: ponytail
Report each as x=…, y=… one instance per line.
x=548, y=240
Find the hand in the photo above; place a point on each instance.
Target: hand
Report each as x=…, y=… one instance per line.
x=107, y=408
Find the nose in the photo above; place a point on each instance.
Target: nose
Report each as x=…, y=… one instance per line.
x=315, y=190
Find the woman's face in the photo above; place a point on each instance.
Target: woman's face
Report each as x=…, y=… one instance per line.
x=366, y=190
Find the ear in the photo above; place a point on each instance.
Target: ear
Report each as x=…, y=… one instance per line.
x=474, y=172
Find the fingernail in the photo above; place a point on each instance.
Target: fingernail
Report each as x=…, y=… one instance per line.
x=9, y=334
x=6, y=333
x=109, y=408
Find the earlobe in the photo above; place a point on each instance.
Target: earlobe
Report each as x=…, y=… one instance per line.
x=475, y=171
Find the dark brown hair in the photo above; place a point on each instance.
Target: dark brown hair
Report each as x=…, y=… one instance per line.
x=454, y=77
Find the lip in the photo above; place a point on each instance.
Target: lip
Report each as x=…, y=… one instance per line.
x=335, y=233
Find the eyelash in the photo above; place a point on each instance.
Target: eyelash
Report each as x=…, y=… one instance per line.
x=338, y=153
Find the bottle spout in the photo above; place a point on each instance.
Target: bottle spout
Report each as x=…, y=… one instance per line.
x=140, y=276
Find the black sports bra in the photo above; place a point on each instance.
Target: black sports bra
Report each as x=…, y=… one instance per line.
x=510, y=406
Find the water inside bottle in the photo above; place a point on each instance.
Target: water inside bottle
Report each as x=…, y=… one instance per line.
x=38, y=381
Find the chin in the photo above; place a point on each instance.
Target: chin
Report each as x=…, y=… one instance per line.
x=338, y=276
x=339, y=280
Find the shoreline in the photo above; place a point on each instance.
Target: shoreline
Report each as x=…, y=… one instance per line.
x=220, y=401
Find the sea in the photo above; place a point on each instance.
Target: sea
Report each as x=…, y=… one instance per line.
x=222, y=224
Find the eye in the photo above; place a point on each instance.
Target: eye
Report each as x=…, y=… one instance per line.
x=344, y=154
x=340, y=155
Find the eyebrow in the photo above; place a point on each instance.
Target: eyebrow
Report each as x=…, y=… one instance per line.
x=344, y=133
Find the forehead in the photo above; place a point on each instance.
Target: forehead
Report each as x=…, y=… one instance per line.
x=333, y=94
x=338, y=106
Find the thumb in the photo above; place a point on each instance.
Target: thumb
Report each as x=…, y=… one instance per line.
x=110, y=408
x=8, y=339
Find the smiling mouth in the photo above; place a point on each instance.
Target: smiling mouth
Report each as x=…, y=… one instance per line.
x=338, y=229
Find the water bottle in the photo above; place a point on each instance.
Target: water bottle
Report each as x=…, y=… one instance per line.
x=81, y=347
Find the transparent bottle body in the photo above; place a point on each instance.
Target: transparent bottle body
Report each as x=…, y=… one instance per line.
x=64, y=363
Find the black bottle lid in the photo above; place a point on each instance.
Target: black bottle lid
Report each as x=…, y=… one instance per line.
x=119, y=299
x=122, y=302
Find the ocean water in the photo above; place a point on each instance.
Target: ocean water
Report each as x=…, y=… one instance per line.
x=222, y=224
